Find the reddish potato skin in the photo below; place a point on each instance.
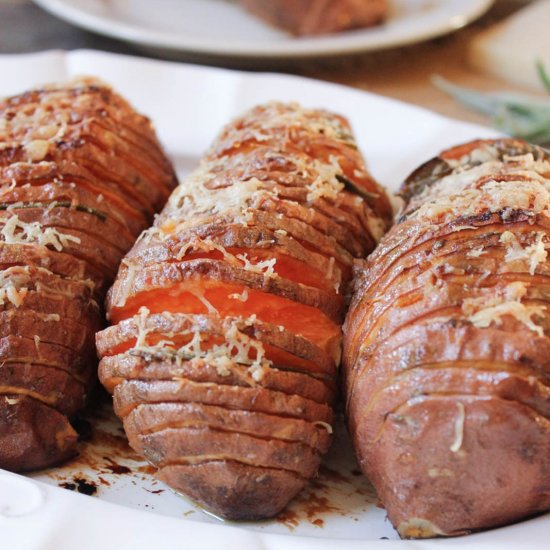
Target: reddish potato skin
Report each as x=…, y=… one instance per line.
x=451, y=420
x=81, y=175
x=233, y=489
x=149, y=418
x=495, y=480
x=223, y=357
x=33, y=435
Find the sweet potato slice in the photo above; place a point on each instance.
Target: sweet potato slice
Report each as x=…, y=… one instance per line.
x=130, y=394
x=118, y=368
x=53, y=387
x=78, y=179
x=285, y=349
x=236, y=244
x=57, y=262
x=67, y=195
x=205, y=285
x=146, y=419
x=18, y=349
x=195, y=445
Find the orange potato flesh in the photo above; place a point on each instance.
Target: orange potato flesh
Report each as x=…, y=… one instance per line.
x=285, y=266
x=278, y=356
x=282, y=185
x=297, y=318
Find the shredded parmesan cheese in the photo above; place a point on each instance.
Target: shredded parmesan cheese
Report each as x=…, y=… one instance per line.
x=476, y=252
x=238, y=348
x=208, y=305
x=141, y=322
x=37, y=149
x=47, y=317
x=325, y=184
x=484, y=311
x=37, y=344
x=325, y=425
x=11, y=400
x=265, y=267
x=193, y=197
x=16, y=231
x=493, y=186
x=533, y=254
x=243, y=296
x=127, y=283
x=459, y=428
x=13, y=289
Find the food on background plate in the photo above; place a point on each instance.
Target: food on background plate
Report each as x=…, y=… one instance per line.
x=446, y=345
x=314, y=17
x=223, y=354
x=81, y=174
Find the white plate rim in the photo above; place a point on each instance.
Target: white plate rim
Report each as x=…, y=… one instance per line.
x=343, y=43
x=62, y=523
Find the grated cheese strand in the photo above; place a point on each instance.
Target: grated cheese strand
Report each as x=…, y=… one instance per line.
x=533, y=254
x=237, y=347
x=16, y=231
x=484, y=311
x=459, y=428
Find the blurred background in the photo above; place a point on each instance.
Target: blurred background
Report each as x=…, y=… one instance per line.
x=404, y=71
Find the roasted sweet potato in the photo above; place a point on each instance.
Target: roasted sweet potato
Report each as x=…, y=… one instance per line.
x=223, y=356
x=81, y=174
x=311, y=17
x=446, y=345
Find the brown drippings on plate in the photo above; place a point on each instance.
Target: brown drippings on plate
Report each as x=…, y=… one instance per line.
x=318, y=522
x=289, y=518
x=80, y=485
x=155, y=492
x=147, y=469
x=103, y=481
x=117, y=442
x=340, y=491
x=115, y=468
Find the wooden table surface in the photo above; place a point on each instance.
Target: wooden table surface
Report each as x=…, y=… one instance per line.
x=401, y=73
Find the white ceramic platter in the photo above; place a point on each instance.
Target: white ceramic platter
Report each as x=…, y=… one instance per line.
x=221, y=29
x=129, y=509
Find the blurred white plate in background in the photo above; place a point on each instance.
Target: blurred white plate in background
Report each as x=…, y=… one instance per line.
x=220, y=28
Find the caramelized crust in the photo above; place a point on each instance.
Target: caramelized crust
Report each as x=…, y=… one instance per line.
x=447, y=379
x=81, y=174
x=226, y=340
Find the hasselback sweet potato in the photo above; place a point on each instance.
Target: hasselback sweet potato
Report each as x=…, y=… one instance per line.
x=81, y=174
x=447, y=341
x=313, y=17
x=227, y=313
